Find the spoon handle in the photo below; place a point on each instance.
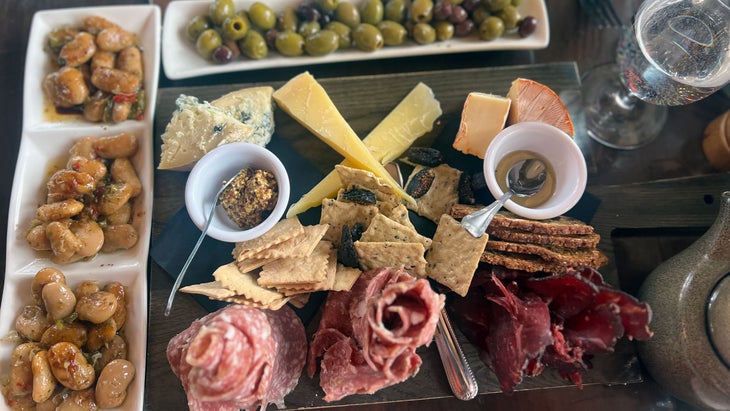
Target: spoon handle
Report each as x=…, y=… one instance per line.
x=477, y=222
x=458, y=372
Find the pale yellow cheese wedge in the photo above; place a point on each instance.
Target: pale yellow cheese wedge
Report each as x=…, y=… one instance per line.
x=413, y=117
x=306, y=100
x=483, y=117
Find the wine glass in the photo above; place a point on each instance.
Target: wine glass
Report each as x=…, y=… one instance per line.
x=677, y=52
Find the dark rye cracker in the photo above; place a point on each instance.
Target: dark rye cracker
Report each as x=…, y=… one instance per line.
x=565, y=256
x=568, y=241
x=561, y=225
x=523, y=262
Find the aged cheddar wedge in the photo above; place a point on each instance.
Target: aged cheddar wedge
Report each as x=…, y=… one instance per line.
x=413, y=117
x=483, y=117
x=305, y=100
x=533, y=101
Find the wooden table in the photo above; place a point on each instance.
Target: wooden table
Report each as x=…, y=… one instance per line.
x=625, y=181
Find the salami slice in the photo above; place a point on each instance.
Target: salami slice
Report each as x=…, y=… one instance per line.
x=368, y=337
x=239, y=357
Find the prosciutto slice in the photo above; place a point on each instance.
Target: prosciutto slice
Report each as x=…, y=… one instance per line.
x=367, y=337
x=239, y=357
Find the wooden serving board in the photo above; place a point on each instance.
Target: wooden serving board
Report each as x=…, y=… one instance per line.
x=364, y=101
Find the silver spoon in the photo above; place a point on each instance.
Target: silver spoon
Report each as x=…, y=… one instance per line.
x=524, y=179
x=180, y=276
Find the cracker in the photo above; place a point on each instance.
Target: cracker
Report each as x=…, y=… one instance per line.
x=213, y=290
x=244, y=283
x=299, y=301
x=565, y=240
x=568, y=257
x=280, y=232
x=400, y=215
x=339, y=213
x=383, y=229
x=273, y=305
x=250, y=264
x=345, y=277
x=297, y=270
x=384, y=193
x=374, y=255
x=454, y=255
x=299, y=246
x=443, y=193
x=560, y=225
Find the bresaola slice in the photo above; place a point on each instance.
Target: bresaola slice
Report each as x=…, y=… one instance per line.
x=367, y=337
x=239, y=357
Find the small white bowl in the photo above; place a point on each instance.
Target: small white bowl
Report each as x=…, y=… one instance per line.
x=220, y=165
x=558, y=148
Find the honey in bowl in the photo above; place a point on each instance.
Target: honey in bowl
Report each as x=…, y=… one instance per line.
x=542, y=196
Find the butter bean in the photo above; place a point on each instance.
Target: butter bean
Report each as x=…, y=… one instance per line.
x=122, y=216
x=122, y=170
x=114, y=197
x=103, y=58
x=32, y=322
x=79, y=50
x=66, y=87
x=83, y=147
x=119, y=145
x=21, y=373
x=93, y=167
x=91, y=236
x=75, y=333
x=43, y=380
x=45, y=276
x=115, y=349
x=97, y=307
x=100, y=334
x=59, y=210
x=70, y=367
x=121, y=110
x=86, y=287
x=120, y=292
x=130, y=60
x=111, y=387
x=114, y=39
x=119, y=237
x=95, y=24
x=58, y=299
x=115, y=81
x=79, y=401
x=37, y=238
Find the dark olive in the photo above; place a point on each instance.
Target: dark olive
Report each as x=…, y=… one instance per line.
x=394, y=34
x=235, y=27
x=464, y=28
x=253, y=45
x=471, y=5
x=207, y=42
x=220, y=10
x=442, y=10
x=367, y=37
x=262, y=16
x=527, y=26
x=290, y=43
x=197, y=25
x=458, y=14
x=321, y=43
x=308, y=11
x=222, y=55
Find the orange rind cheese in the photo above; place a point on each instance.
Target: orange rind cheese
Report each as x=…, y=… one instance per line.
x=533, y=101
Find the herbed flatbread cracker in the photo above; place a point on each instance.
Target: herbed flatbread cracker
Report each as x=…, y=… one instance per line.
x=400, y=215
x=299, y=246
x=383, y=229
x=280, y=232
x=244, y=284
x=373, y=255
x=443, y=193
x=296, y=270
x=384, y=193
x=454, y=255
x=338, y=213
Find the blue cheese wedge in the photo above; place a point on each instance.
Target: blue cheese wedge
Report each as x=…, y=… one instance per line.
x=198, y=126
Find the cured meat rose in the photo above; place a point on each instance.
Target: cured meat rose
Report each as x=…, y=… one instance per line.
x=239, y=357
x=367, y=337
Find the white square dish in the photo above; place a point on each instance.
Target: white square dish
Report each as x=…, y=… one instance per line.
x=17, y=294
x=181, y=60
x=142, y=20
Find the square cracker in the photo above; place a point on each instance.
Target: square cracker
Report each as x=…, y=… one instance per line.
x=400, y=215
x=383, y=229
x=443, y=193
x=297, y=270
x=244, y=284
x=243, y=300
x=299, y=246
x=213, y=290
x=350, y=176
x=280, y=232
x=345, y=277
x=339, y=213
x=454, y=255
x=392, y=254
x=326, y=284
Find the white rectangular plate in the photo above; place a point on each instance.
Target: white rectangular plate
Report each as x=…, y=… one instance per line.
x=181, y=60
x=45, y=142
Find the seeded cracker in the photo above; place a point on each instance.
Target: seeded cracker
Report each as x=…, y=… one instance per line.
x=244, y=284
x=345, y=278
x=443, y=193
x=299, y=246
x=400, y=215
x=282, y=231
x=454, y=255
x=392, y=254
x=387, y=198
x=383, y=229
x=338, y=213
x=308, y=270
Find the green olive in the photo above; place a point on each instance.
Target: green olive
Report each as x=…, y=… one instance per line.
x=307, y=28
x=235, y=27
x=344, y=33
x=371, y=11
x=220, y=10
x=207, y=42
x=197, y=25
x=394, y=34
x=289, y=43
x=253, y=45
x=516, y=2
x=479, y=15
x=444, y=30
x=496, y=5
x=348, y=14
x=424, y=33
x=327, y=6
x=321, y=43
x=395, y=10
x=491, y=28
x=262, y=16
x=421, y=11
x=367, y=37
x=288, y=19
x=510, y=16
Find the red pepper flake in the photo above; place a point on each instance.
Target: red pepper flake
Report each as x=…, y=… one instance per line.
x=125, y=98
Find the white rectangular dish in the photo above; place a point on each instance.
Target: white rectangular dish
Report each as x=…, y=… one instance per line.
x=181, y=60
x=44, y=148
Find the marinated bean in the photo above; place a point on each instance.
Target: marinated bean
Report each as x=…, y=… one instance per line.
x=119, y=291
x=83, y=147
x=43, y=380
x=120, y=145
x=119, y=237
x=65, y=184
x=59, y=210
x=52, y=403
x=115, y=81
x=70, y=367
x=86, y=287
x=95, y=24
x=45, y=276
x=97, y=307
x=58, y=299
x=100, y=334
x=103, y=59
x=120, y=111
x=115, y=349
x=63, y=242
x=114, y=197
x=32, y=322
x=95, y=168
x=94, y=109
x=75, y=333
x=122, y=171
x=90, y=234
x=57, y=38
x=79, y=401
x=114, y=39
x=121, y=216
x=78, y=51
x=130, y=60
x=66, y=87
x=111, y=387
x=21, y=373
x=37, y=238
